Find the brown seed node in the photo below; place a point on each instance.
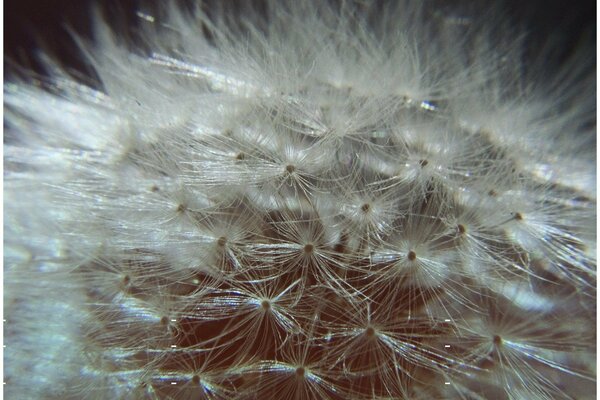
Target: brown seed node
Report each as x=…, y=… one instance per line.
x=518, y=216
x=300, y=371
x=222, y=241
x=461, y=229
x=154, y=188
x=290, y=169
x=181, y=208
x=309, y=248
x=370, y=332
x=423, y=163
x=195, y=379
x=265, y=304
x=164, y=321
x=412, y=256
x=497, y=340
x=240, y=156
x=126, y=280
x=365, y=207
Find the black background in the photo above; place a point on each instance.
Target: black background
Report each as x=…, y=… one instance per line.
x=28, y=23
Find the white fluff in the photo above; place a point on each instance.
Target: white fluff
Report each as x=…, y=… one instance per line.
x=319, y=202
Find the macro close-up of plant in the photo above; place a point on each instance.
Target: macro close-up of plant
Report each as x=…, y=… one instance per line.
x=301, y=200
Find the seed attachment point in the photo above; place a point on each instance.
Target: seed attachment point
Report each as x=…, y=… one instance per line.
x=309, y=248
x=370, y=332
x=265, y=305
x=518, y=216
x=222, y=241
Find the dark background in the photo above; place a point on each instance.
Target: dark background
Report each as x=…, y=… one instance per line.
x=567, y=24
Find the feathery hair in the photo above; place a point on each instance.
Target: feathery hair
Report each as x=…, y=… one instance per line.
x=301, y=200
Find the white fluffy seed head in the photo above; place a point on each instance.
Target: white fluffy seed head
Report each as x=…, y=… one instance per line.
x=313, y=202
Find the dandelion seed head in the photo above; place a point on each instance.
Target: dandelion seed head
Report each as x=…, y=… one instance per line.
x=301, y=200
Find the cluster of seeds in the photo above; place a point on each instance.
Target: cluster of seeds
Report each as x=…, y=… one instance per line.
x=315, y=239
x=279, y=259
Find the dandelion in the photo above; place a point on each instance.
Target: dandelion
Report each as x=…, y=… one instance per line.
x=301, y=200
